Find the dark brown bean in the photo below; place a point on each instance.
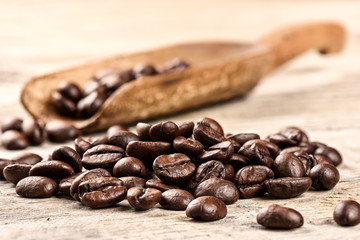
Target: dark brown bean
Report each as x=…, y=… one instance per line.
x=186, y=129
x=207, y=136
x=3, y=164
x=176, y=199
x=206, y=208
x=164, y=131
x=82, y=145
x=65, y=183
x=36, y=187
x=143, y=198
x=324, y=176
x=70, y=91
x=242, y=138
x=287, y=187
x=308, y=160
x=122, y=138
x=229, y=172
x=27, y=158
x=279, y=217
x=114, y=129
x=159, y=185
x=141, y=70
x=11, y=123
x=68, y=155
x=63, y=105
x=54, y=169
x=14, y=140
x=347, y=213
x=60, y=131
x=257, y=153
x=15, y=172
x=211, y=123
x=288, y=165
x=102, y=156
x=188, y=146
x=295, y=134
x=331, y=153
x=131, y=181
x=143, y=131
x=129, y=166
x=238, y=161
x=34, y=130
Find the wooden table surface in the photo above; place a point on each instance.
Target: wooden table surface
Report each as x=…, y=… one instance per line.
x=319, y=94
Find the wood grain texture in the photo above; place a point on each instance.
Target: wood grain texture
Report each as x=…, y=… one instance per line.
x=321, y=95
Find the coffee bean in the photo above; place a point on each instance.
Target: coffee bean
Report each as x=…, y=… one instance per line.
x=186, y=129
x=102, y=156
x=242, y=138
x=127, y=75
x=147, y=151
x=34, y=130
x=206, y=171
x=229, y=172
x=65, y=183
x=54, y=169
x=114, y=129
x=98, y=140
x=90, y=104
x=324, y=176
x=129, y=166
x=122, y=138
x=211, y=123
x=331, y=153
x=188, y=146
x=141, y=70
x=63, y=105
x=212, y=155
x=94, y=173
x=143, y=131
x=250, y=180
x=226, y=148
x=143, y=198
x=295, y=134
x=102, y=192
x=82, y=145
x=11, y=123
x=60, y=131
x=14, y=140
x=93, y=86
x=281, y=141
x=164, y=131
x=15, y=172
x=287, y=187
x=176, y=199
x=70, y=91
x=288, y=165
x=111, y=82
x=131, y=181
x=257, y=153
x=174, y=168
x=347, y=213
x=159, y=185
x=308, y=160
x=176, y=64
x=222, y=189
x=278, y=217
x=206, y=208
x=238, y=161
x=3, y=164
x=322, y=159
x=68, y=155
x=207, y=136
x=36, y=187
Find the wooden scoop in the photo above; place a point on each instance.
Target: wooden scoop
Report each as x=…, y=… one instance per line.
x=219, y=71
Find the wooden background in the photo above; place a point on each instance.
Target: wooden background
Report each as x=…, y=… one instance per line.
x=319, y=94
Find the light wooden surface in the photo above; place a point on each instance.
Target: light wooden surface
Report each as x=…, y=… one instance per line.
x=319, y=94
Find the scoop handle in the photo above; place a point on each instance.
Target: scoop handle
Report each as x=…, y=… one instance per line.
x=289, y=42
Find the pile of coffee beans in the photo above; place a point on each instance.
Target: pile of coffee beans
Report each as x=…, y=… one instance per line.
x=72, y=101
x=19, y=134
x=191, y=166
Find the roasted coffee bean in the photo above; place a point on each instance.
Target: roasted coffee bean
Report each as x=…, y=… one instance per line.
x=222, y=189
x=70, y=91
x=225, y=147
x=15, y=172
x=68, y=155
x=207, y=136
x=143, y=131
x=211, y=123
x=141, y=70
x=130, y=181
x=303, y=147
x=347, y=213
x=65, y=183
x=102, y=192
x=324, y=176
x=129, y=166
x=102, y=156
x=143, y=198
x=114, y=129
x=206, y=171
x=94, y=173
x=159, y=185
x=188, y=146
x=36, y=187
x=308, y=160
x=27, y=158
x=147, y=151
x=279, y=217
x=111, y=82
x=281, y=141
x=176, y=199
x=176, y=64
x=93, y=86
x=212, y=155
x=186, y=129
x=82, y=145
x=288, y=165
x=34, y=130
x=331, y=153
x=257, y=153
x=242, y=138
x=238, y=161
x=206, y=208
x=54, y=169
x=60, y=131
x=103, y=73
x=229, y=172
x=273, y=149
x=11, y=123
x=122, y=138
x=295, y=134
x=127, y=75
x=250, y=180
x=287, y=187
x=3, y=164
x=98, y=140
x=90, y=104
x=322, y=159
x=174, y=168
x=63, y=105
x=14, y=140
x=164, y=131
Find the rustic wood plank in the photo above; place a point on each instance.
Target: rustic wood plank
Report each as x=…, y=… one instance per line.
x=322, y=95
